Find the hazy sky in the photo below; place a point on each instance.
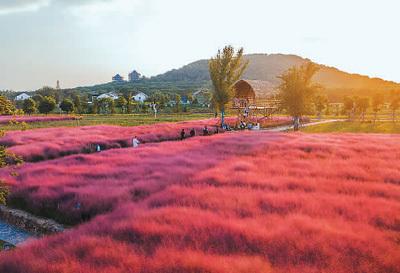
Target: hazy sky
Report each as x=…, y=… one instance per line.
x=82, y=42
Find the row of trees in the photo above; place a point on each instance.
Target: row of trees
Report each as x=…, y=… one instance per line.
x=356, y=107
x=45, y=102
x=43, y=105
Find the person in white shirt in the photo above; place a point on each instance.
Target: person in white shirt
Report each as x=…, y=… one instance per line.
x=256, y=127
x=135, y=142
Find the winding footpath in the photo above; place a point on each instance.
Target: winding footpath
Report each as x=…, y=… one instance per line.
x=290, y=127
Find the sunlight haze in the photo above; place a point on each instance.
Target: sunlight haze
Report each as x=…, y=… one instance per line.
x=87, y=42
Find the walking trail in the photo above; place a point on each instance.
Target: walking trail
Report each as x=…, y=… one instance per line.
x=290, y=127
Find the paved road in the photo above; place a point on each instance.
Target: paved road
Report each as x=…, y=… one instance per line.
x=290, y=127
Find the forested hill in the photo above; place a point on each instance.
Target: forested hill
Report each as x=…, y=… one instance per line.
x=268, y=67
x=261, y=67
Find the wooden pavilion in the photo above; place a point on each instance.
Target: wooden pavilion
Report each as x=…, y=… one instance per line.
x=255, y=98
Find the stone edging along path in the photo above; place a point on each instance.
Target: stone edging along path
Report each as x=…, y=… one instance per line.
x=32, y=224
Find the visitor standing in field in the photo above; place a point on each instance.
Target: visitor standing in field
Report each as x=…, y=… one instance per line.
x=192, y=133
x=183, y=134
x=205, y=131
x=135, y=142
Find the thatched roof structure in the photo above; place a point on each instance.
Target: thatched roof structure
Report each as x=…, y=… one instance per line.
x=250, y=89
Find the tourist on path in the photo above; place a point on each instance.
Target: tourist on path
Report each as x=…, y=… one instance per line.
x=135, y=142
x=192, y=133
x=183, y=134
x=205, y=131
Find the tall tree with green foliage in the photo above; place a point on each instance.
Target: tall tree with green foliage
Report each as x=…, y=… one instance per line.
x=226, y=68
x=47, y=91
x=29, y=106
x=320, y=102
x=121, y=103
x=395, y=105
x=106, y=105
x=348, y=106
x=76, y=99
x=177, y=101
x=297, y=91
x=6, y=106
x=361, y=106
x=67, y=105
x=47, y=105
x=377, y=103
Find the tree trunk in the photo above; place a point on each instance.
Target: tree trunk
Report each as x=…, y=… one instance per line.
x=296, y=123
x=222, y=118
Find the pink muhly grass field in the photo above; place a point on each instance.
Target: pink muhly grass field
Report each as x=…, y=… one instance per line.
x=240, y=202
x=32, y=119
x=50, y=143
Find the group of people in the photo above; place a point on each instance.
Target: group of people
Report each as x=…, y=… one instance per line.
x=192, y=133
x=250, y=126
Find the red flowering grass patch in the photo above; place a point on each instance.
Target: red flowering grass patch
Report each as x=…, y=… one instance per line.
x=50, y=143
x=32, y=119
x=239, y=202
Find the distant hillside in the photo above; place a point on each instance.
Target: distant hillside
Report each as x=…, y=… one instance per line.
x=262, y=67
x=268, y=67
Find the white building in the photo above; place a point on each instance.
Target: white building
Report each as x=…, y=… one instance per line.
x=22, y=96
x=110, y=95
x=141, y=97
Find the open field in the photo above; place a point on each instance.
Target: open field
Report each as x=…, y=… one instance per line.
x=386, y=127
x=234, y=202
x=9, y=121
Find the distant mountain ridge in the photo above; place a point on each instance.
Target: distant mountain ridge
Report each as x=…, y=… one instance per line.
x=267, y=67
x=262, y=67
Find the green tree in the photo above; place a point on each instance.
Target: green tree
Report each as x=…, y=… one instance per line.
x=67, y=105
x=395, y=105
x=47, y=91
x=76, y=99
x=106, y=105
x=129, y=106
x=297, y=91
x=177, y=101
x=159, y=98
x=361, y=106
x=321, y=102
x=6, y=106
x=47, y=105
x=29, y=106
x=121, y=103
x=37, y=98
x=377, y=103
x=348, y=106
x=226, y=68
x=190, y=98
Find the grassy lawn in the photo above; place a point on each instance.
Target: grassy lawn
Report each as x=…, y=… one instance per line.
x=355, y=127
x=122, y=120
